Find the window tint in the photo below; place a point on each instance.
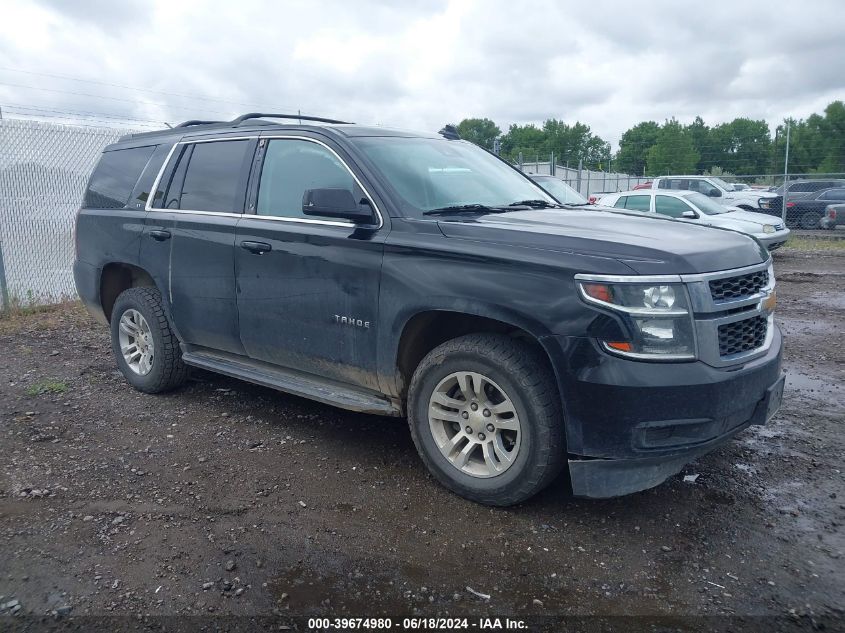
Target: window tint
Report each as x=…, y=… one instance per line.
x=638, y=203
x=114, y=178
x=803, y=186
x=620, y=204
x=674, y=183
x=290, y=168
x=673, y=207
x=214, y=176
x=833, y=194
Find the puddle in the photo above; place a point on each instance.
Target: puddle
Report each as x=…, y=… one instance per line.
x=807, y=386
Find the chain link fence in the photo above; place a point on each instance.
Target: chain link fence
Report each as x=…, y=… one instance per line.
x=44, y=168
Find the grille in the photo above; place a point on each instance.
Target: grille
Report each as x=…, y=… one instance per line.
x=742, y=336
x=736, y=287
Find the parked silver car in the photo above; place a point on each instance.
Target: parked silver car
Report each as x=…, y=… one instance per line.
x=696, y=208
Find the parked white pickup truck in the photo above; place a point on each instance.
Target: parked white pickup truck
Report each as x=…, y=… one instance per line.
x=716, y=188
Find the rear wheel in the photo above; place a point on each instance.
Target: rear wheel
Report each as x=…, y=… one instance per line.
x=810, y=220
x=485, y=416
x=144, y=345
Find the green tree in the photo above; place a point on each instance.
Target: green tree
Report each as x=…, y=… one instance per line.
x=741, y=146
x=479, y=131
x=673, y=152
x=634, y=145
x=528, y=139
x=571, y=143
x=833, y=130
x=699, y=133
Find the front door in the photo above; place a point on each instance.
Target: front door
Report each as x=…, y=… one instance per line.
x=307, y=288
x=189, y=240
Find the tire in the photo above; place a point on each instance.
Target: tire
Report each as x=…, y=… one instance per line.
x=165, y=370
x=521, y=374
x=810, y=220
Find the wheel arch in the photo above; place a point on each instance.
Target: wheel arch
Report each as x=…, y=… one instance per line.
x=116, y=277
x=421, y=331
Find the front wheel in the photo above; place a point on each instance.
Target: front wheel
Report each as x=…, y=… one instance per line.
x=486, y=419
x=144, y=345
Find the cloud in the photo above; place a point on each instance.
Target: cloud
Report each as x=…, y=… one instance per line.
x=422, y=63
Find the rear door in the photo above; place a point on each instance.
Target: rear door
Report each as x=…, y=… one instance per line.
x=307, y=287
x=188, y=242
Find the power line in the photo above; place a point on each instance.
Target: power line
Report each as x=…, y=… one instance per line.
x=149, y=90
x=76, y=120
x=82, y=113
x=96, y=96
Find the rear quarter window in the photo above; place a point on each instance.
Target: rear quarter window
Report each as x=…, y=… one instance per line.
x=115, y=176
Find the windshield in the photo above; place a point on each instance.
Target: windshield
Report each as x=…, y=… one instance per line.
x=721, y=183
x=560, y=190
x=705, y=204
x=430, y=173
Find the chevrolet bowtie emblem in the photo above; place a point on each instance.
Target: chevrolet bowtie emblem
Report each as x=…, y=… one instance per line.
x=769, y=302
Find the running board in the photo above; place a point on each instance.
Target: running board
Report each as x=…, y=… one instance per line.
x=291, y=381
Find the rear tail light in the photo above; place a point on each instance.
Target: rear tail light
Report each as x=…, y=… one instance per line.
x=789, y=205
x=831, y=213
x=593, y=200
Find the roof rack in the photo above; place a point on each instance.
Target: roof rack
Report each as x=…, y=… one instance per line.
x=302, y=117
x=197, y=122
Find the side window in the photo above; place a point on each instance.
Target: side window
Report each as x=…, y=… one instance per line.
x=620, y=204
x=215, y=176
x=833, y=194
x=114, y=178
x=291, y=166
x=673, y=183
x=673, y=207
x=802, y=186
x=638, y=203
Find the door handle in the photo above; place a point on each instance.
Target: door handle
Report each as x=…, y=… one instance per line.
x=159, y=236
x=258, y=248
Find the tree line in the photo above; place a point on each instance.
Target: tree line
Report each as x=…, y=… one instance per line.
x=742, y=146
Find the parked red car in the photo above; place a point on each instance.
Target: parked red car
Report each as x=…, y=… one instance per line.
x=643, y=185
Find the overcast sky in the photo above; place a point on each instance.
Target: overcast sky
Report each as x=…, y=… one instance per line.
x=421, y=63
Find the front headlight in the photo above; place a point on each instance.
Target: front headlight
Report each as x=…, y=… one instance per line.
x=657, y=317
x=768, y=228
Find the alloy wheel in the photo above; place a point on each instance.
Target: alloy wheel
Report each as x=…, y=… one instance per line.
x=474, y=424
x=136, y=342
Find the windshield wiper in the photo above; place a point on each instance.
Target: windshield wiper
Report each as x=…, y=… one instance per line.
x=465, y=208
x=535, y=204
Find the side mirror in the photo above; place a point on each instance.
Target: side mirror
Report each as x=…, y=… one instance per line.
x=335, y=203
x=689, y=214
x=714, y=193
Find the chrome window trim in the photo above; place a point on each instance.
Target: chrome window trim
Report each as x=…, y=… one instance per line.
x=255, y=216
x=366, y=191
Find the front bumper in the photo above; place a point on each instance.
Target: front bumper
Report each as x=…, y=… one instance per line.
x=773, y=241
x=630, y=425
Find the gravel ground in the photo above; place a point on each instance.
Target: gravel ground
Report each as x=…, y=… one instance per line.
x=226, y=498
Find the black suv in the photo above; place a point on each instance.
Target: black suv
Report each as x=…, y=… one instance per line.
x=418, y=275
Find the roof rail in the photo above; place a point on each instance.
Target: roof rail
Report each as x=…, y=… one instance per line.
x=197, y=122
x=301, y=117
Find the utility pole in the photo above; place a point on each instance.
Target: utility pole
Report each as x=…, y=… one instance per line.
x=785, y=197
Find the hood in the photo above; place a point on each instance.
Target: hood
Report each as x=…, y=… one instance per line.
x=749, y=194
x=750, y=217
x=648, y=245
